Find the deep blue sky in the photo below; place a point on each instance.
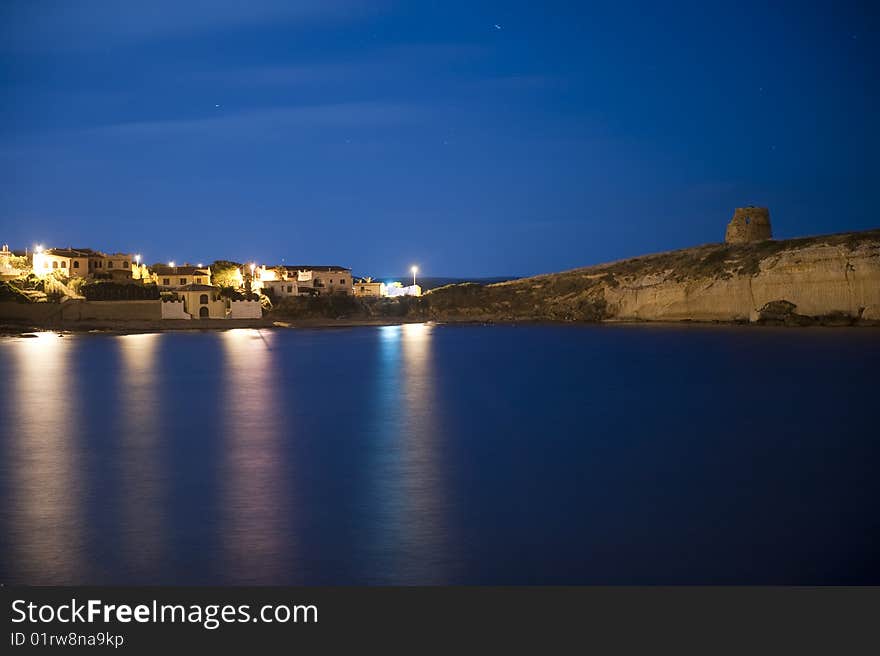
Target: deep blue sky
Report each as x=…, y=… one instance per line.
x=378, y=134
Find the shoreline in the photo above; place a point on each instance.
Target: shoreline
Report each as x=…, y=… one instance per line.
x=16, y=328
x=12, y=328
x=825, y=280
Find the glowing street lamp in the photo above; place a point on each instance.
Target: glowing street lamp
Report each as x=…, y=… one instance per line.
x=171, y=263
x=137, y=259
x=414, y=270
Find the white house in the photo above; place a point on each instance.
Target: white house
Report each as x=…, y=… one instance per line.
x=397, y=289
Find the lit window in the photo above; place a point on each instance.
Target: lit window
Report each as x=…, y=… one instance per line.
x=54, y=264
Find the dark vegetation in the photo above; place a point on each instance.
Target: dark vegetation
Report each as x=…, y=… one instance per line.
x=30, y=289
x=10, y=292
x=105, y=290
x=238, y=295
x=344, y=306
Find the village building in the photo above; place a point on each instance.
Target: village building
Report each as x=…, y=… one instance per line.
x=10, y=263
x=119, y=266
x=202, y=301
x=173, y=277
x=262, y=276
x=281, y=288
x=197, y=301
x=83, y=263
x=320, y=280
x=368, y=288
x=71, y=262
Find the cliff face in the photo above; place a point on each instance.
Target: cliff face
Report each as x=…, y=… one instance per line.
x=834, y=278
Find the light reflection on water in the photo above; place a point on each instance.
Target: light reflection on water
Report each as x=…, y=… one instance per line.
x=45, y=536
x=408, y=530
x=143, y=497
x=257, y=544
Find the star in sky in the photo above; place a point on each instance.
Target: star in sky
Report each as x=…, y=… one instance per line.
x=497, y=26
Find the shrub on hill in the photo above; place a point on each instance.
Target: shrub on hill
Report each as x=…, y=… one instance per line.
x=10, y=292
x=225, y=273
x=344, y=306
x=114, y=291
x=234, y=294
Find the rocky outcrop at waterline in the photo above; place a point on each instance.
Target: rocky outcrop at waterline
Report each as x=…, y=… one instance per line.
x=832, y=279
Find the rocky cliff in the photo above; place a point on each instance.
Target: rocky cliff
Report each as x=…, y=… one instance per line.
x=827, y=279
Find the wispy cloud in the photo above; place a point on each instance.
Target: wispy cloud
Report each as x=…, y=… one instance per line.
x=34, y=25
x=378, y=64
x=273, y=122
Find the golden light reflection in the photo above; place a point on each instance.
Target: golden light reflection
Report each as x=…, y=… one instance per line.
x=142, y=479
x=258, y=548
x=44, y=540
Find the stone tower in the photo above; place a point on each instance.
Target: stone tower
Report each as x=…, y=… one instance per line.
x=749, y=224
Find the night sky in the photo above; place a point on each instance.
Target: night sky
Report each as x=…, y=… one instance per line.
x=474, y=139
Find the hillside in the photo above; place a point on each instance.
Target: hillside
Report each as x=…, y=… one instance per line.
x=827, y=279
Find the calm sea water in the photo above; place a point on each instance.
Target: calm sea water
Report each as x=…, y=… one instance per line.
x=424, y=454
